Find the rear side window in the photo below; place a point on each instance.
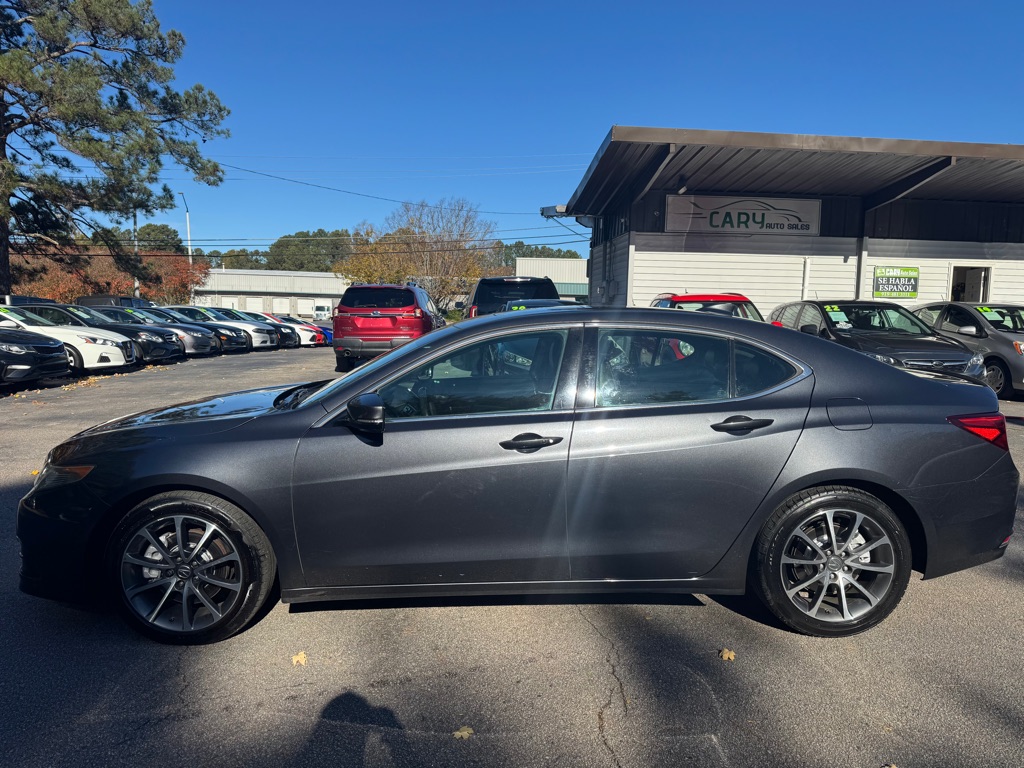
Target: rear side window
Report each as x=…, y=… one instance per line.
x=378, y=298
x=646, y=367
x=788, y=315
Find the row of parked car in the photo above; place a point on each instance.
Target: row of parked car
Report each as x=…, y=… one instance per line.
x=983, y=341
x=42, y=339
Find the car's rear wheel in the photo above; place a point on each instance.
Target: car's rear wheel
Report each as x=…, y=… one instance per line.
x=998, y=377
x=832, y=561
x=344, y=364
x=190, y=568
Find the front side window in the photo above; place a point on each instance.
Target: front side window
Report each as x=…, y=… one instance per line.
x=875, y=318
x=518, y=372
x=929, y=314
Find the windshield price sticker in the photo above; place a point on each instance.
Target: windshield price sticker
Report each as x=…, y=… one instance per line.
x=989, y=314
x=837, y=315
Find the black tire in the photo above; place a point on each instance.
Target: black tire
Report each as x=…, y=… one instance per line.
x=997, y=375
x=344, y=364
x=817, y=583
x=74, y=360
x=175, y=600
x=139, y=361
x=248, y=341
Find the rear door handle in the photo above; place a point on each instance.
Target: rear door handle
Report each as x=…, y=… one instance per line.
x=741, y=424
x=528, y=443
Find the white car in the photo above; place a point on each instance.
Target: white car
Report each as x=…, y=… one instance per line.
x=260, y=335
x=308, y=334
x=87, y=348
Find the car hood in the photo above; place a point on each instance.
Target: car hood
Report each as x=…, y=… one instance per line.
x=896, y=345
x=18, y=336
x=208, y=415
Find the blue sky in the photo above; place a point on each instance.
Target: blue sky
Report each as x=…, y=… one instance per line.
x=505, y=104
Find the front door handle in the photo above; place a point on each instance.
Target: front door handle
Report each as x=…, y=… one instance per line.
x=741, y=424
x=528, y=443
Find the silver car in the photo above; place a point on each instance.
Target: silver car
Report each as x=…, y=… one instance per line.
x=996, y=330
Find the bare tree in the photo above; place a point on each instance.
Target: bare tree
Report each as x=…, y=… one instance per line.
x=449, y=243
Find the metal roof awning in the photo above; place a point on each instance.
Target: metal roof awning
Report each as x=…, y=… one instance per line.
x=632, y=161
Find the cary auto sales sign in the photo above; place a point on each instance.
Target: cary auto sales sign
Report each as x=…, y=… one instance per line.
x=742, y=215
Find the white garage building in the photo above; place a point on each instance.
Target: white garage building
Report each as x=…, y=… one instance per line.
x=265, y=290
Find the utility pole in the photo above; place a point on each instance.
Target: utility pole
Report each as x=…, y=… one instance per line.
x=188, y=228
x=135, y=238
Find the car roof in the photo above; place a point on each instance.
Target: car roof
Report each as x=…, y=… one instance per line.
x=703, y=297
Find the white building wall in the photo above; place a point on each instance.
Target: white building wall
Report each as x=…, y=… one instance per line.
x=559, y=270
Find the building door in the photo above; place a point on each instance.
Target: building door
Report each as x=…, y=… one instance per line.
x=970, y=284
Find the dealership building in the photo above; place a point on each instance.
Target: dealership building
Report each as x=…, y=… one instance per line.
x=781, y=217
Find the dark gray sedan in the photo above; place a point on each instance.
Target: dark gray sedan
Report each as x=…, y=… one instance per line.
x=995, y=331
x=551, y=451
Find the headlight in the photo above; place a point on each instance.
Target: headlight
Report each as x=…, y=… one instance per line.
x=1019, y=347
x=16, y=349
x=193, y=334
x=147, y=336
x=97, y=340
x=882, y=358
x=227, y=332
x=54, y=475
x=977, y=360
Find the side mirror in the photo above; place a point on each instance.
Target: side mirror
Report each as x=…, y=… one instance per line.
x=366, y=413
x=5, y=323
x=811, y=329
x=968, y=330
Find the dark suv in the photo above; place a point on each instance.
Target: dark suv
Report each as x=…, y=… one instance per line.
x=372, y=319
x=882, y=330
x=493, y=293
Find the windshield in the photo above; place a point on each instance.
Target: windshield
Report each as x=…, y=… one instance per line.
x=425, y=342
x=23, y=315
x=232, y=314
x=206, y=311
x=868, y=317
x=1004, y=318
x=144, y=315
x=120, y=316
x=170, y=314
x=84, y=313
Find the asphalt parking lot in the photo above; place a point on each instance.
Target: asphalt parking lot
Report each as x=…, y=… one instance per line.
x=541, y=682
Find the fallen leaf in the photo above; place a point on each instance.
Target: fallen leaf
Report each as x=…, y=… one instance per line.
x=889, y=765
x=35, y=471
x=463, y=733
x=300, y=658
x=727, y=655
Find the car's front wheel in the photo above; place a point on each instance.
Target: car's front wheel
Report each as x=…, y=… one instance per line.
x=997, y=375
x=190, y=568
x=832, y=561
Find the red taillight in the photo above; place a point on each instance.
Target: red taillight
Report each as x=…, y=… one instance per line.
x=987, y=426
x=472, y=311
x=418, y=313
x=334, y=312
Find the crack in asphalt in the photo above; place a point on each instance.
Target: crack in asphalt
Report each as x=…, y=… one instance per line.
x=612, y=660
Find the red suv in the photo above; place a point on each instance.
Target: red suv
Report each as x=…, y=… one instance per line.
x=735, y=304
x=372, y=319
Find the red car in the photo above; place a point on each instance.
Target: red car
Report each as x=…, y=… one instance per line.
x=372, y=319
x=735, y=304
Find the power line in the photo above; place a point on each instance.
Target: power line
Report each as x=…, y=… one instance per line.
x=371, y=197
